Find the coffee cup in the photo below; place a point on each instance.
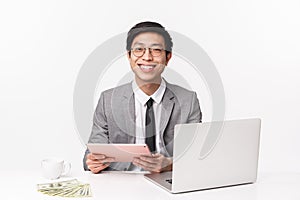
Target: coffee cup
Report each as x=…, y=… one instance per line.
x=53, y=168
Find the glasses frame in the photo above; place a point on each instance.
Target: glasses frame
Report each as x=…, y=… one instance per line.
x=144, y=50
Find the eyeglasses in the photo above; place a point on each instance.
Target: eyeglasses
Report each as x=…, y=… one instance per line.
x=140, y=51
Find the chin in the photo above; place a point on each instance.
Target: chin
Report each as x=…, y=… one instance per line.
x=149, y=80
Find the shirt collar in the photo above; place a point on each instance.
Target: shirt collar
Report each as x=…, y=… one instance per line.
x=156, y=96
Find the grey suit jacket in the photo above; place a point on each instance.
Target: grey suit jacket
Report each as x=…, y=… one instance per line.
x=114, y=117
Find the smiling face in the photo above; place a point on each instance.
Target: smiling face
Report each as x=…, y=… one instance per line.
x=148, y=68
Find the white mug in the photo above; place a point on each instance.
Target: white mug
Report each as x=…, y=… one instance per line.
x=53, y=168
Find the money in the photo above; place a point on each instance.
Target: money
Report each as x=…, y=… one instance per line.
x=69, y=188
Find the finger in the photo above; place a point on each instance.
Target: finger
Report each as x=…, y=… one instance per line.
x=157, y=155
x=90, y=156
x=99, y=156
x=156, y=158
x=103, y=158
x=144, y=164
x=107, y=160
x=149, y=159
x=99, y=162
x=147, y=168
x=92, y=162
x=95, y=171
x=98, y=169
x=94, y=156
x=93, y=166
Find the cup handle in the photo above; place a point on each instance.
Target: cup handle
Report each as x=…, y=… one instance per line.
x=67, y=168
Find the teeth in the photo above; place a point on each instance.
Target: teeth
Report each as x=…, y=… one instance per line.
x=146, y=67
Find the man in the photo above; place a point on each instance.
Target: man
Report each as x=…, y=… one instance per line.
x=145, y=110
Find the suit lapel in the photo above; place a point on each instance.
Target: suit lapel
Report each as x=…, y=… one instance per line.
x=167, y=108
x=128, y=109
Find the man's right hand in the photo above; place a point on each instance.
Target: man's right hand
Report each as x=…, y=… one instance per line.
x=97, y=162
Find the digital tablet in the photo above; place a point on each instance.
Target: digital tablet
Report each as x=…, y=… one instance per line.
x=121, y=152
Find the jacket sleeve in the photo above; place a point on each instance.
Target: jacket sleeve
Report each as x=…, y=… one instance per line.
x=195, y=115
x=100, y=128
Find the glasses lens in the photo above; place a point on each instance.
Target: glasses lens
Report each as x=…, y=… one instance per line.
x=156, y=52
x=138, y=51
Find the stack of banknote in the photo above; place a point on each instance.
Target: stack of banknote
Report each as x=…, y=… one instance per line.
x=69, y=188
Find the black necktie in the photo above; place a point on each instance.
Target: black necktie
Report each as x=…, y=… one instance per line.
x=150, y=126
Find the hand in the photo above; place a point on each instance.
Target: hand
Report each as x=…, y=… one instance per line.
x=97, y=162
x=154, y=163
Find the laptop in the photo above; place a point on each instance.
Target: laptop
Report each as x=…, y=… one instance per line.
x=212, y=155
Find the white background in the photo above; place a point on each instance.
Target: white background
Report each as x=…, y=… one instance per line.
x=255, y=46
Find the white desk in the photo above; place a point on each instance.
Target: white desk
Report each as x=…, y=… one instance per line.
x=22, y=185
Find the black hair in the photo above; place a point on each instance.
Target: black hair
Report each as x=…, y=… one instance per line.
x=148, y=26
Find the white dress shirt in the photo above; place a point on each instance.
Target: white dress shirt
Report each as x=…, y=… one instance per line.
x=140, y=113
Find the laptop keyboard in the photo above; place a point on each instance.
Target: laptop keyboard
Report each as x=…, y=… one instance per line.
x=169, y=181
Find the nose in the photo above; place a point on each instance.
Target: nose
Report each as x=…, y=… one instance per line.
x=147, y=55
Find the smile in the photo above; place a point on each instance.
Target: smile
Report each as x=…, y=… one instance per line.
x=146, y=68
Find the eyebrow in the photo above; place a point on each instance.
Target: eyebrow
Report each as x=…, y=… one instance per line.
x=155, y=44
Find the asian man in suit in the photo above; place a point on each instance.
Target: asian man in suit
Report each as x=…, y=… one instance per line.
x=144, y=110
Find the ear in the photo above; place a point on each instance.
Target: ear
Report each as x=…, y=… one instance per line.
x=128, y=55
x=169, y=56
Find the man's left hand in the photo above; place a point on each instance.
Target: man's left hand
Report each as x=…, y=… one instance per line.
x=154, y=163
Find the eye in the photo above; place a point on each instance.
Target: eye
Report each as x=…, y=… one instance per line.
x=157, y=50
x=138, y=49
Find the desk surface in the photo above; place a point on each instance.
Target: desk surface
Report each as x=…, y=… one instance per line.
x=22, y=185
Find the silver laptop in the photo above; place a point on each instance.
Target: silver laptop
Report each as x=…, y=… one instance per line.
x=212, y=155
